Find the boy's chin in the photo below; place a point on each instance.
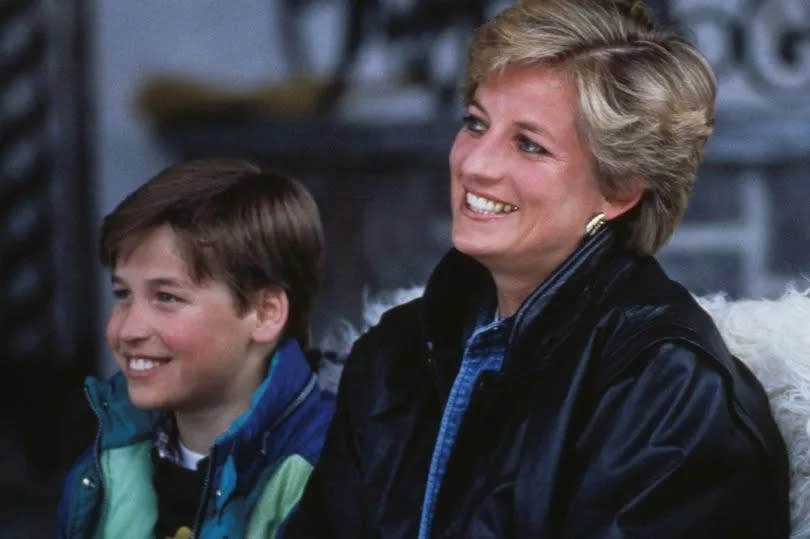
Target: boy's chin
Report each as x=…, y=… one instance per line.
x=145, y=401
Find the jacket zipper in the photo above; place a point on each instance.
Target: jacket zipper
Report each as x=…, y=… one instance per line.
x=97, y=454
x=434, y=369
x=585, y=253
x=206, y=485
x=296, y=402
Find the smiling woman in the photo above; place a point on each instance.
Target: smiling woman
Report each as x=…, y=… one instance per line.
x=552, y=381
x=520, y=160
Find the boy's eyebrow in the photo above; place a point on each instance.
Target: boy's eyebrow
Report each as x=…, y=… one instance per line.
x=167, y=281
x=156, y=281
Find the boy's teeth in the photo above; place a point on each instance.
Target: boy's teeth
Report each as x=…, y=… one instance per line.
x=138, y=364
x=484, y=205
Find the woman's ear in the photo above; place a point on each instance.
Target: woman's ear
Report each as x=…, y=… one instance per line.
x=624, y=201
x=272, y=308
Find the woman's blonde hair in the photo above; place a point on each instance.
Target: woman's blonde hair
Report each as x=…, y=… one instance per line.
x=646, y=97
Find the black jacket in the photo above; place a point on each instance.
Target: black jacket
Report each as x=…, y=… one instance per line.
x=618, y=413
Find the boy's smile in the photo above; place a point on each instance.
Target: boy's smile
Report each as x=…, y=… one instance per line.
x=181, y=344
x=140, y=364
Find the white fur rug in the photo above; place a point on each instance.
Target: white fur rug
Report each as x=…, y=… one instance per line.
x=772, y=337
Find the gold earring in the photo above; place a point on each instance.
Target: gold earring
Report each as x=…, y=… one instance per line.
x=596, y=222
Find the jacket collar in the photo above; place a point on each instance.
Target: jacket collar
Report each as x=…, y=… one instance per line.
x=460, y=287
x=289, y=377
x=288, y=382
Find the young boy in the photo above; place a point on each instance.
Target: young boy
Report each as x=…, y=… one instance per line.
x=215, y=420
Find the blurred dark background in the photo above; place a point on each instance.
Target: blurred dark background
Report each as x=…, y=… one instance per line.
x=357, y=99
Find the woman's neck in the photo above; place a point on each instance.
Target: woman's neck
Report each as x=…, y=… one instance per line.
x=515, y=282
x=511, y=292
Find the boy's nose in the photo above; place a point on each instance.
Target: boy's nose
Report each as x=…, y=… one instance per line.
x=131, y=324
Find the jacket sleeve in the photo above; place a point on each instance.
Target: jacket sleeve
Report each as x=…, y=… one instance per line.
x=668, y=453
x=333, y=492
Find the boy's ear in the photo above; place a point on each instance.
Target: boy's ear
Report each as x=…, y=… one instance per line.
x=272, y=309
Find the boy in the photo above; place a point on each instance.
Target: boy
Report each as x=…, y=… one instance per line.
x=215, y=420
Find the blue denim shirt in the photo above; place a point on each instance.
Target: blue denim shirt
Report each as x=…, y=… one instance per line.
x=484, y=351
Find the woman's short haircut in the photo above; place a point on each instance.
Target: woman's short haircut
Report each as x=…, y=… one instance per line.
x=646, y=97
x=249, y=228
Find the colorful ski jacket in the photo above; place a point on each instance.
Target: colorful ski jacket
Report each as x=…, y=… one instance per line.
x=256, y=470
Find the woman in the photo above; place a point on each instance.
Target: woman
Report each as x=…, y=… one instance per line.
x=552, y=381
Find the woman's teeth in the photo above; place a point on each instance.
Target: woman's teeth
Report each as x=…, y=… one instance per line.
x=138, y=364
x=490, y=207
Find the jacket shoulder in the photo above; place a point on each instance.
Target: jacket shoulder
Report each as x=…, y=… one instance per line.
x=397, y=327
x=645, y=307
x=385, y=360
x=658, y=324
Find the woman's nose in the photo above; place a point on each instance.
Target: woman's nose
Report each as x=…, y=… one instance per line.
x=482, y=159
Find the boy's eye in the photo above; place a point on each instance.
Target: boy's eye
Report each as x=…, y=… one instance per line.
x=473, y=124
x=120, y=293
x=165, y=297
x=527, y=145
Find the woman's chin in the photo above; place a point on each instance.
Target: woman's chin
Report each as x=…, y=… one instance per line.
x=474, y=247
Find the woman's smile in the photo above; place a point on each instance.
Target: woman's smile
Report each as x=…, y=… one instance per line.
x=487, y=205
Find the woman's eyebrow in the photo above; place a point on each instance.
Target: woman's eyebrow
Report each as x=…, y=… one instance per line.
x=474, y=103
x=534, y=128
x=523, y=124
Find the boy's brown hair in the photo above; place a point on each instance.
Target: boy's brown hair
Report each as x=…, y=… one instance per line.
x=249, y=228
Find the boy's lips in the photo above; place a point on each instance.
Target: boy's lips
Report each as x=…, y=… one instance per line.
x=143, y=364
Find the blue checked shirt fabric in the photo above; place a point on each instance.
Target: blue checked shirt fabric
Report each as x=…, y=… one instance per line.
x=484, y=351
x=166, y=441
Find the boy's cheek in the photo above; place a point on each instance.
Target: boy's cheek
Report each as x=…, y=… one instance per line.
x=111, y=331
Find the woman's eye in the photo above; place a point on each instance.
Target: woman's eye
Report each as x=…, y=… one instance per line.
x=473, y=124
x=527, y=145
